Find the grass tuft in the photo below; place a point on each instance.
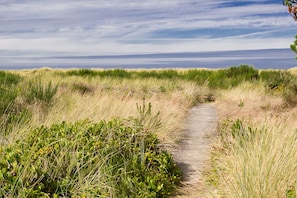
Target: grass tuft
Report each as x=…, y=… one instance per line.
x=37, y=91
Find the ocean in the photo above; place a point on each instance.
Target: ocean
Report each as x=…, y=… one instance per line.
x=260, y=59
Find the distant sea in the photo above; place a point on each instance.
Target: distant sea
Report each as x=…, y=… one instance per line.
x=261, y=59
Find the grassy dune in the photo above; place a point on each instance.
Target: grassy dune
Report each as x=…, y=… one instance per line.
x=109, y=133
x=89, y=133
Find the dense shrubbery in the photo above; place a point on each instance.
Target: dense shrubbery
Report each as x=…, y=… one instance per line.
x=107, y=159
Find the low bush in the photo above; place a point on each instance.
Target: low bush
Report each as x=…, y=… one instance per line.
x=281, y=83
x=275, y=80
x=119, y=158
x=243, y=72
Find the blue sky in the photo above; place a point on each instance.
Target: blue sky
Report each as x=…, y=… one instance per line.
x=107, y=27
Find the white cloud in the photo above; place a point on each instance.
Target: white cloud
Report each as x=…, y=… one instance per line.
x=132, y=26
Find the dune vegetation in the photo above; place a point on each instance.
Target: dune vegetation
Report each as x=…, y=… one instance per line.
x=109, y=133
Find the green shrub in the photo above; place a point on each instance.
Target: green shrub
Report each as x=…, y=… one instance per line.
x=120, y=158
x=281, y=83
x=243, y=72
x=276, y=79
x=237, y=75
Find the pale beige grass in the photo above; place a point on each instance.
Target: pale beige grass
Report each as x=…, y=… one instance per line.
x=266, y=165
x=247, y=101
x=263, y=167
x=293, y=70
x=118, y=98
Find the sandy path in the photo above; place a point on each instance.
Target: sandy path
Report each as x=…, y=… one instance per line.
x=195, y=147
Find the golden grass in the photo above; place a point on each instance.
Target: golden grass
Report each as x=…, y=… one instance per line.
x=293, y=70
x=264, y=166
x=110, y=98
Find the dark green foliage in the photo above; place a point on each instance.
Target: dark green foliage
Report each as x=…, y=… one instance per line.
x=276, y=79
x=37, y=91
x=12, y=120
x=12, y=114
x=217, y=79
x=294, y=45
x=223, y=78
x=162, y=74
x=115, y=73
x=291, y=193
x=281, y=83
x=81, y=72
x=199, y=76
x=83, y=88
x=234, y=76
x=8, y=91
x=244, y=72
x=7, y=78
x=123, y=155
x=7, y=98
x=121, y=73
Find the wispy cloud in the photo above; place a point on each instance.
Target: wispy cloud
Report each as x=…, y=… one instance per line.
x=133, y=26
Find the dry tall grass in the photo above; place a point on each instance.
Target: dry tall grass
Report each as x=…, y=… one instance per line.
x=259, y=160
x=96, y=98
x=260, y=163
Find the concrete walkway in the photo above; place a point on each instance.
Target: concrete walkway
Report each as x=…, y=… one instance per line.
x=195, y=147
